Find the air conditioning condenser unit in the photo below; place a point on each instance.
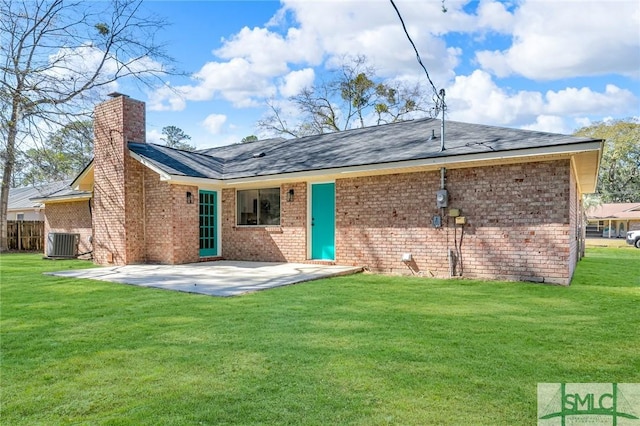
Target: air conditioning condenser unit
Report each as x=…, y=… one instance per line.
x=62, y=244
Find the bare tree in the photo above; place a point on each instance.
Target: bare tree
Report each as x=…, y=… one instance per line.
x=354, y=97
x=56, y=57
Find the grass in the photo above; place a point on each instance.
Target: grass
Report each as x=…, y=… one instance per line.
x=608, y=242
x=361, y=350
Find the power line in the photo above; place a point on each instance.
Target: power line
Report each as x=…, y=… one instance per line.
x=404, y=27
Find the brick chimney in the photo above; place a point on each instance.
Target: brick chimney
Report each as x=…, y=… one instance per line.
x=118, y=212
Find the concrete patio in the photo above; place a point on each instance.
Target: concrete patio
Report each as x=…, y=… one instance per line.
x=220, y=278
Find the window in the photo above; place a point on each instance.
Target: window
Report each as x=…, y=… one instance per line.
x=20, y=216
x=259, y=207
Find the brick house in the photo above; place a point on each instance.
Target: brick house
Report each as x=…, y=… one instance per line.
x=613, y=220
x=495, y=203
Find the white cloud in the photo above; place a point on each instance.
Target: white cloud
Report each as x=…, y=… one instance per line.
x=166, y=98
x=235, y=81
x=373, y=29
x=549, y=123
x=585, y=101
x=271, y=51
x=154, y=136
x=583, y=121
x=214, y=122
x=295, y=81
x=570, y=38
x=493, y=15
x=478, y=99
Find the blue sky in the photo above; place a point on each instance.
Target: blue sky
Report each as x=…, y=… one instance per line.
x=553, y=65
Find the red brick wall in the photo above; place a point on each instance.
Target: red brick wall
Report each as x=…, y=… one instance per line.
x=134, y=210
x=518, y=222
x=284, y=243
x=185, y=224
x=186, y=230
x=72, y=217
x=158, y=219
x=118, y=228
x=170, y=233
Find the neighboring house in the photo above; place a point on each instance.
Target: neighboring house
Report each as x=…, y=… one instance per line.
x=21, y=206
x=496, y=203
x=613, y=220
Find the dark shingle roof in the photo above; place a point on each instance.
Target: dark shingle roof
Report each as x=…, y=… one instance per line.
x=65, y=193
x=23, y=198
x=178, y=162
x=402, y=141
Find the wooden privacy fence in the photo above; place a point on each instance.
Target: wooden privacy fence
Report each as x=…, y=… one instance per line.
x=25, y=235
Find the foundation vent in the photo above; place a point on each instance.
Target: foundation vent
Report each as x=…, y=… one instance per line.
x=62, y=245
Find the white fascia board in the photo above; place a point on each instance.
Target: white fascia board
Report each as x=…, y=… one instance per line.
x=63, y=199
x=25, y=209
x=188, y=180
x=600, y=153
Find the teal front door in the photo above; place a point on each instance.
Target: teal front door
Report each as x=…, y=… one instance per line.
x=208, y=218
x=323, y=221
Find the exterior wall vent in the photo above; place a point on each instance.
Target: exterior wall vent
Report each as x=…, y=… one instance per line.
x=62, y=245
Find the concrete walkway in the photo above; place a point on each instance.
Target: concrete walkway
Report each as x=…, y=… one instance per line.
x=220, y=278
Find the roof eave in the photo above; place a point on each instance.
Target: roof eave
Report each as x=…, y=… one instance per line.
x=19, y=209
x=84, y=176
x=63, y=198
x=454, y=161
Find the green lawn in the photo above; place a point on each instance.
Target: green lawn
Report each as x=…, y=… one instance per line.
x=363, y=349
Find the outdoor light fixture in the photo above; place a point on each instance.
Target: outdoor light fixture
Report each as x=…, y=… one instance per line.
x=189, y=197
x=290, y=195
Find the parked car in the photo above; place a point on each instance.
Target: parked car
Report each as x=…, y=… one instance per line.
x=633, y=238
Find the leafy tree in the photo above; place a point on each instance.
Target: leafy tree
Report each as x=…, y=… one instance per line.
x=250, y=138
x=353, y=97
x=56, y=58
x=174, y=137
x=619, y=178
x=64, y=155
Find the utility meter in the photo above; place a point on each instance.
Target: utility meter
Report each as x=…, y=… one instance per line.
x=442, y=197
